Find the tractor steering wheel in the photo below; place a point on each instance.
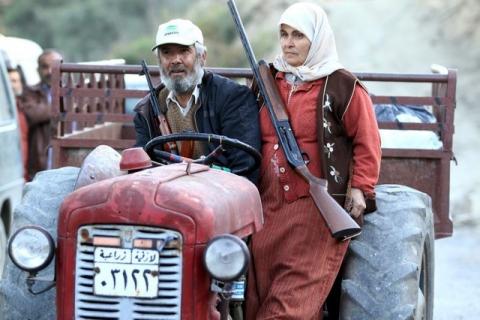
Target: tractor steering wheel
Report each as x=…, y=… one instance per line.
x=158, y=142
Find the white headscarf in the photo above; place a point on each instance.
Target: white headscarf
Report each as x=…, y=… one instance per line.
x=322, y=59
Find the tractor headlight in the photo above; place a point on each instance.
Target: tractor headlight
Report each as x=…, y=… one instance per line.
x=226, y=257
x=31, y=248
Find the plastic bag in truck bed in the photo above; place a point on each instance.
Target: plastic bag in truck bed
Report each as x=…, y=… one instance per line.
x=408, y=139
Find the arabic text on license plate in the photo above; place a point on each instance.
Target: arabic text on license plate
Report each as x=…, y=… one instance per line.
x=126, y=272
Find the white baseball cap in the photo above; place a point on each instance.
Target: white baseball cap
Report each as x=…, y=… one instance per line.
x=178, y=31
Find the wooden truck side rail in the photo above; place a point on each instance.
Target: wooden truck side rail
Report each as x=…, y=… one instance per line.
x=89, y=106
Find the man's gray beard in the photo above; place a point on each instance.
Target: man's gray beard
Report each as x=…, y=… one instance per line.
x=185, y=84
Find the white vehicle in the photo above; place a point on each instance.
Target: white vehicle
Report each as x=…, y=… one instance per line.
x=11, y=168
x=23, y=52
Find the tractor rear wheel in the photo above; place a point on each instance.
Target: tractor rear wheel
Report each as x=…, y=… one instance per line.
x=388, y=272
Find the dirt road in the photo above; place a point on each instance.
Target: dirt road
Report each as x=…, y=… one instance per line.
x=457, y=275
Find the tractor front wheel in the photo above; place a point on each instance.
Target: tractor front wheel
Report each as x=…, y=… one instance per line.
x=40, y=205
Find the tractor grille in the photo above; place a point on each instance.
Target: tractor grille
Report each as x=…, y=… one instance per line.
x=168, y=301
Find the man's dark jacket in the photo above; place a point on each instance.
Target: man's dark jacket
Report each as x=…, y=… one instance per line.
x=40, y=127
x=227, y=108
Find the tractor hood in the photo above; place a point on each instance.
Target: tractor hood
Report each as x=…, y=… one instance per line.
x=200, y=204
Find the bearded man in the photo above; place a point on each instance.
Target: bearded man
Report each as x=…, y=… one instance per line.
x=195, y=100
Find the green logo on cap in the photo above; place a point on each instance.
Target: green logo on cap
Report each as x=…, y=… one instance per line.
x=171, y=28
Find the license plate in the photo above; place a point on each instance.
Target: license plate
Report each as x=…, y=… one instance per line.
x=126, y=272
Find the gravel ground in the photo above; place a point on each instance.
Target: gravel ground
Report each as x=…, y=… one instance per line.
x=457, y=275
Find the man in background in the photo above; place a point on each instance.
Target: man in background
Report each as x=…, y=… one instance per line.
x=17, y=82
x=38, y=110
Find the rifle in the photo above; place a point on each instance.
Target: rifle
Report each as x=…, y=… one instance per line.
x=163, y=124
x=341, y=225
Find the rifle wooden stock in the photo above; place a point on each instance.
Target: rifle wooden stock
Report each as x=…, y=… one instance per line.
x=341, y=225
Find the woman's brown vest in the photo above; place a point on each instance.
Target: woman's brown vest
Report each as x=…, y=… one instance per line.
x=335, y=147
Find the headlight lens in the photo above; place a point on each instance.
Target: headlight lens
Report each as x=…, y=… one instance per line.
x=226, y=257
x=31, y=248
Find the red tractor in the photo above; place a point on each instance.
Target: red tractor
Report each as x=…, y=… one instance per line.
x=166, y=242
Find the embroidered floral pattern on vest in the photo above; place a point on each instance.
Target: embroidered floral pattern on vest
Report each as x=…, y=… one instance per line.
x=329, y=144
x=329, y=149
x=327, y=104
x=327, y=125
x=335, y=174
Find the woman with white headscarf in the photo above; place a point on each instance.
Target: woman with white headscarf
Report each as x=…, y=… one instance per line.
x=295, y=260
